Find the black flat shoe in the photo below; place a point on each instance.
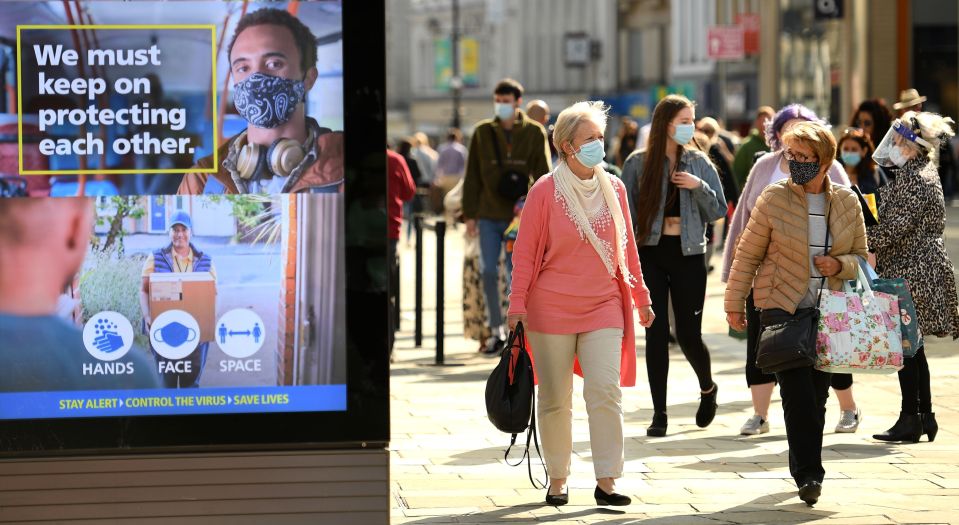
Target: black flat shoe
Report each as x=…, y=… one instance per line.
x=707, y=408
x=810, y=492
x=658, y=427
x=557, y=500
x=614, y=499
x=907, y=428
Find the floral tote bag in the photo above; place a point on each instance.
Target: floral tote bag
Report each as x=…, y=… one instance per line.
x=859, y=330
x=911, y=334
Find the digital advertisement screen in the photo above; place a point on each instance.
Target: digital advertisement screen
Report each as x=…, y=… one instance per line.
x=172, y=237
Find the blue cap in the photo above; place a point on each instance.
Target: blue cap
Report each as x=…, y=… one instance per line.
x=181, y=217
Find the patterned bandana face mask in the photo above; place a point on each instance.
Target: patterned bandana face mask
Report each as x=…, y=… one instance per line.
x=266, y=101
x=803, y=172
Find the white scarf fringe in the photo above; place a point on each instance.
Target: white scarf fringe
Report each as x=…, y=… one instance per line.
x=585, y=198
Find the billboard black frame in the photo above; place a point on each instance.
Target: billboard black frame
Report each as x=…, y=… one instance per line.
x=365, y=423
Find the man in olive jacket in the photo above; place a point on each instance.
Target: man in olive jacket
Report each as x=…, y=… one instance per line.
x=523, y=148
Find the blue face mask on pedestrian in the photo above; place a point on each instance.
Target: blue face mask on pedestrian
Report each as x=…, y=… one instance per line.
x=684, y=133
x=503, y=111
x=591, y=153
x=851, y=158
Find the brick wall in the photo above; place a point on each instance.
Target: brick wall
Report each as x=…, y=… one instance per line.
x=286, y=342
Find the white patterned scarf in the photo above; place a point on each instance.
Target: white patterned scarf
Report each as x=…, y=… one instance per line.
x=589, y=203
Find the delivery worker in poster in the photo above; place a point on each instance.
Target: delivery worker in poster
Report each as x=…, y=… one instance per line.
x=272, y=59
x=179, y=256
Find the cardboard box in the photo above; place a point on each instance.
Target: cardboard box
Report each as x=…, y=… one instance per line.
x=192, y=292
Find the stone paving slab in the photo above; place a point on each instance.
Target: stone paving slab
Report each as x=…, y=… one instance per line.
x=448, y=467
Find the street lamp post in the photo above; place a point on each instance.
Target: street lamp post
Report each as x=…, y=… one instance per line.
x=456, y=83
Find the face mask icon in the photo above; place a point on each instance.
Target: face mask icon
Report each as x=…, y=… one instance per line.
x=174, y=334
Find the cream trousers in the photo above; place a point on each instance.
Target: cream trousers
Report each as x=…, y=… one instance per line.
x=599, y=357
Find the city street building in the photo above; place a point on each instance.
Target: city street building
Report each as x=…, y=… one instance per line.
x=630, y=53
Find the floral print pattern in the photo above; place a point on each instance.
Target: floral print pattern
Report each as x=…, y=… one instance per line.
x=911, y=333
x=859, y=332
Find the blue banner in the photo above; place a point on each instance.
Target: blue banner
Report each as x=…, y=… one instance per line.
x=111, y=403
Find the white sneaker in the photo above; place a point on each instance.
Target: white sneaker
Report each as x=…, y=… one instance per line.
x=849, y=421
x=754, y=425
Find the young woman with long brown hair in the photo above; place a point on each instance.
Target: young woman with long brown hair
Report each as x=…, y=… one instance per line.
x=674, y=191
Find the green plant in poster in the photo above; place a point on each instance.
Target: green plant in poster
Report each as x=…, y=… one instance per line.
x=112, y=282
x=256, y=215
x=112, y=211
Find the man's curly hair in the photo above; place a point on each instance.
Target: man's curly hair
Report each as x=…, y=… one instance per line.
x=304, y=38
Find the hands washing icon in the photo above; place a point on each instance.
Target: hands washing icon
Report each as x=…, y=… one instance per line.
x=107, y=336
x=108, y=340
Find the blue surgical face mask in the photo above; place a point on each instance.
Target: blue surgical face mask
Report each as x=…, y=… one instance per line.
x=684, y=133
x=174, y=334
x=897, y=157
x=266, y=101
x=591, y=153
x=504, y=111
x=851, y=158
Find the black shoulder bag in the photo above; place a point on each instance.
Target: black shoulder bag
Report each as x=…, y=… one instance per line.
x=787, y=340
x=512, y=184
x=510, y=402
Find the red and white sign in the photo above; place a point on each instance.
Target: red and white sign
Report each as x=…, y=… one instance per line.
x=750, y=23
x=725, y=43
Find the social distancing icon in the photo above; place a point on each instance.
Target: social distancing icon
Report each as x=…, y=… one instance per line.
x=240, y=333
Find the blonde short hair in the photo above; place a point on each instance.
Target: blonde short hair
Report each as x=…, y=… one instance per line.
x=570, y=118
x=817, y=137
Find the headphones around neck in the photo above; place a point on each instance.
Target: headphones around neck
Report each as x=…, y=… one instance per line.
x=255, y=162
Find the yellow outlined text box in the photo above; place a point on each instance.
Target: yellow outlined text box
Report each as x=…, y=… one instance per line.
x=214, y=105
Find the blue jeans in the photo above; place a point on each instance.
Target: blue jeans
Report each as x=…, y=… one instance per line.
x=491, y=246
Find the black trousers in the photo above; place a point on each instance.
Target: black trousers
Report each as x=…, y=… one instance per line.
x=669, y=273
x=841, y=381
x=914, y=384
x=754, y=376
x=804, y=392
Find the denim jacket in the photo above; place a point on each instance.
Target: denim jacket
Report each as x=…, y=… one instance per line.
x=696, y=207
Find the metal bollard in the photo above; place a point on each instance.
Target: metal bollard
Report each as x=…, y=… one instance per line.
x=418, y=321
x=440, y=288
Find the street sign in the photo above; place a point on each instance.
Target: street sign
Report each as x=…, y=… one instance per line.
x=750, y=24
x=725, y=43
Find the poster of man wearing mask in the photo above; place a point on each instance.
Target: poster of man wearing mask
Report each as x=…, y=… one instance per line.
x=273, y=62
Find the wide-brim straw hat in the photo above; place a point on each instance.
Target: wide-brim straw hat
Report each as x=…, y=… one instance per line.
x=908, y=98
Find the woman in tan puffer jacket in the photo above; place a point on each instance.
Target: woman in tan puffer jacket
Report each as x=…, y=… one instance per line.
x=786, y=256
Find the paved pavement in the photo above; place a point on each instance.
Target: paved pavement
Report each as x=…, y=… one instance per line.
x=447, y=459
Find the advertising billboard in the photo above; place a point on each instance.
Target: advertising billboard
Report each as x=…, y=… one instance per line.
x=174, y=243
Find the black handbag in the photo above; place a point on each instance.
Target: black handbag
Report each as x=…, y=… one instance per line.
x=510, y=403
x=512, y=184
x=786, y=340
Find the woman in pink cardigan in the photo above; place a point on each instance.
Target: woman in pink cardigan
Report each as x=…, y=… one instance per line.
x=576, y=277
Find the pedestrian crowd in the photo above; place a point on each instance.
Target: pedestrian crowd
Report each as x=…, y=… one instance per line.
x=831, y=244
